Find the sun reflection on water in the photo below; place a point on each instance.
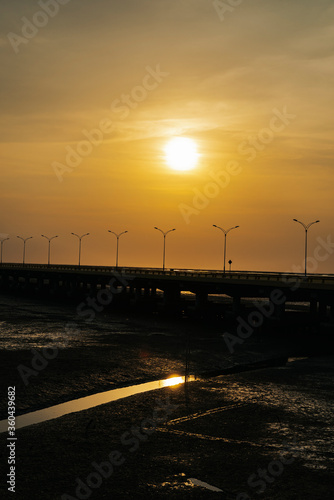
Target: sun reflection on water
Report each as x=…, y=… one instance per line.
x=176, y=380
x=92, y=401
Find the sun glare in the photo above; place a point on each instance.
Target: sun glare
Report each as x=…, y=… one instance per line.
x=181, y=153
x=173, y=381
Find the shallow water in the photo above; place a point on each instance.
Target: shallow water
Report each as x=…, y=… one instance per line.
x=87, y=402
x=305, y=402
x=27, y=324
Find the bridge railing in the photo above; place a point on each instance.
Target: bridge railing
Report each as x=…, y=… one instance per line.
x=186, y=273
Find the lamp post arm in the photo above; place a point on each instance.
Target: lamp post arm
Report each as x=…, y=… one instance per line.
x=311, y=223
x=228, y=230
x=302, y=223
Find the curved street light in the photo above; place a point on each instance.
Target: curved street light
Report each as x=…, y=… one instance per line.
x=3, y=239
x=117, y=237
x=306, y=227
x=80, y=238
x=24, y=246
x=49, y=239
x=164, y=247
x=225, y=234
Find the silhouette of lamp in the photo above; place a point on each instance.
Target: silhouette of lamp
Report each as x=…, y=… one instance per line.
x=306, y=227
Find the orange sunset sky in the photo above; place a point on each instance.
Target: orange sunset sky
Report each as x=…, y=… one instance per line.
x=251, y=83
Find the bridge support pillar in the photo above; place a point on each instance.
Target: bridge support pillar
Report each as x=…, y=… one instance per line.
x=201, y=301
x=313, y=308
x=236, y=306
x=322, y=310
x=331, y=313
x=67, y=287
x=60, y=287
x=40, y=284
x=4, y=281
x=279, y=310
x=171, y=298
x=124, y=291
x=54, y=287
x=92, y=289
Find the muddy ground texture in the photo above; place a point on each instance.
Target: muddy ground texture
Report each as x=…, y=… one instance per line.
x=159, y=348
x=219, y=430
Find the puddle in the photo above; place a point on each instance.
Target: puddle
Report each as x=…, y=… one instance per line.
x=299, y=358
x=202, y=484
x=87, y=402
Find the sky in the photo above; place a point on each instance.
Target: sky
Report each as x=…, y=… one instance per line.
x=91, y=93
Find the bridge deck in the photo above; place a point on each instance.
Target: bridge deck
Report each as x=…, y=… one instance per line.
x=237, y=283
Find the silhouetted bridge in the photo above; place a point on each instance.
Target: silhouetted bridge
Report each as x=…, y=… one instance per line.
x=142, y=284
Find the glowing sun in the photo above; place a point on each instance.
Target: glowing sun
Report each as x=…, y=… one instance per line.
x=181, y=153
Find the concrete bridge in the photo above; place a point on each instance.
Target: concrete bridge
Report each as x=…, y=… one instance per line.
x=145, y=284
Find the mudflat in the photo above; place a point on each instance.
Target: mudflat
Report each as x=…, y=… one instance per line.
x=264, y=433
x=257, y=423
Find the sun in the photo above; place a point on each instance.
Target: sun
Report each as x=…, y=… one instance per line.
x=181, y=153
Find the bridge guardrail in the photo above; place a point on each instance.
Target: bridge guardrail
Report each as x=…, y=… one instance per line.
x=186, y=273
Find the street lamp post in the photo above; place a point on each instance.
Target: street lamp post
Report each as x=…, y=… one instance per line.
x=164, y=247
x=4, y=239
x=117, y=238
x=49, y=240
x=306, y=227
x=80, y=238
x=24, y=246
x=225, y=234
